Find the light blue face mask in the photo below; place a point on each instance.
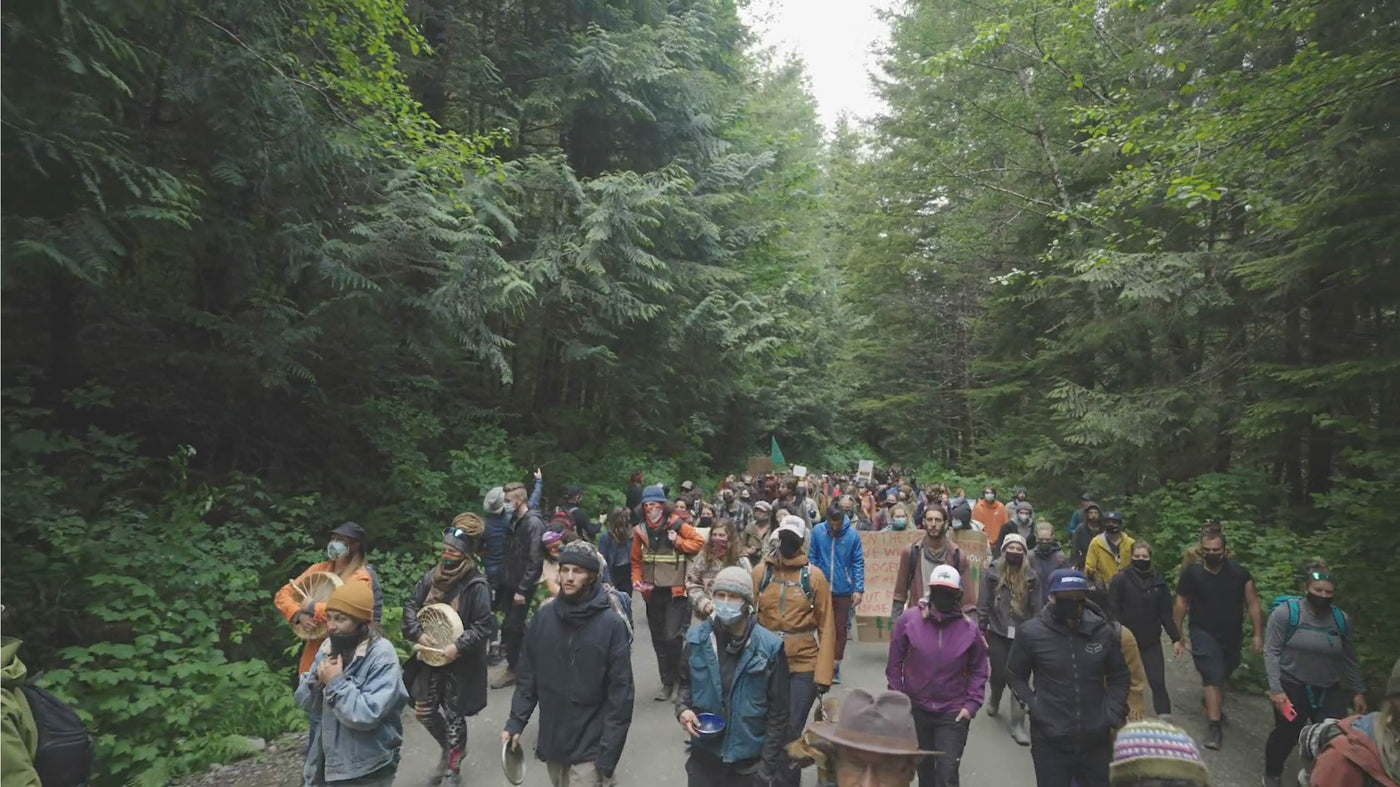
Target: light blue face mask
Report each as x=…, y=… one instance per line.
x=336, y=550
x=729, y=611
x=901, y=523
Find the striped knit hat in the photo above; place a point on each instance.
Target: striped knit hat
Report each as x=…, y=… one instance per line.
x=1155, y=750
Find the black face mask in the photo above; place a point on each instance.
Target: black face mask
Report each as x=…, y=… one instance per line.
x=1014, y=558
x=943, y=600
x=1142, y=566
x=343, y=645
x=1067, y=610
x=1113, y=528
x=706, y=520
x=787, y=547
x=1214, y=561
x=1319, y=603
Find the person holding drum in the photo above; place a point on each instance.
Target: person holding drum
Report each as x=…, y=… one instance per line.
x=449, y=620
x=302, y=601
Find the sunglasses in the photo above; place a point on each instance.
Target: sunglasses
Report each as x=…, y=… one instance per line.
x=455, y=532
x=1319, y=576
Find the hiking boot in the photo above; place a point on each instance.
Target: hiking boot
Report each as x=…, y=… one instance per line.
x=993, y=706
x=665, y=694
x=1273, y=781
x=1020, y=723
x=836, y=674
x=504, y=678
x=1213, y=736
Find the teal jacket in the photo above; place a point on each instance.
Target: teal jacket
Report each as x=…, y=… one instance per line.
x=756, y=707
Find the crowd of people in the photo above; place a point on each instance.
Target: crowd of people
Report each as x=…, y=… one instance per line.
x=749, y=597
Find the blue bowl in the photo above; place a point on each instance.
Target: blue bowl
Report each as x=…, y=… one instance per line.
x=711, y=724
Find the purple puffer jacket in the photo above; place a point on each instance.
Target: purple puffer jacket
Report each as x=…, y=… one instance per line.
x=939, y=660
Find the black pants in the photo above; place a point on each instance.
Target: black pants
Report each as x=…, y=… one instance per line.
x=622, y=577
x=802, y=694
x=513, y=631
x=1155, y=665
x=940, y=732
x=435, y=706
x=703, y=769
x=668, y=617
x=1062, y=766
x=998, y=648
x=1313, y=705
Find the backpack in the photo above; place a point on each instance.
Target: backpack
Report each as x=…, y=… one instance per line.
x=1295, y=612
x=64, y=754
x=804, y=581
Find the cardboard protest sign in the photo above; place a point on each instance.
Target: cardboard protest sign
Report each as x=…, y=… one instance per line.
x=883, y=552
x=799, y=471
x=865, y=470
x=977, y=554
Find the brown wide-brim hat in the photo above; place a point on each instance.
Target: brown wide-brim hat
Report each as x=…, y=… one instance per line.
x=881, y=725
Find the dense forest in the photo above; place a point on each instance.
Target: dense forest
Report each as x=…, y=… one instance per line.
x=271, y=266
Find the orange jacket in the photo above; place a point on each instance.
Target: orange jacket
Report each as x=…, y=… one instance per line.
x=289, y=603
x=688, y=542
x=992, y=516
x=1348, y=759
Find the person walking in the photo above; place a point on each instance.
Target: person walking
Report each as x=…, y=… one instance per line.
x=794, y=602
x=661, y=548
x=1140, y=599
x=345, y=557
x=992, y=513
x=1216, y=593
x=1109, y=553
x=615, y=545
x=736, y=669
x=756, y=535
x=1046, y=557
x=874, y=742
x=1081, y=685
x=525, y=566
x=939, y=659
x=444, y=697
x=835, y=549
x=1010, y=596
x=1358, y=751
x=1020, y=523
x=354, y=690
x=575, y=665
x=721, y=551
x=917, y=563
x=1310, y=660
x=1090, y=526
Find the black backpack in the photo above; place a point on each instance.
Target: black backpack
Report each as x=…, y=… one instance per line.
x=64, y=755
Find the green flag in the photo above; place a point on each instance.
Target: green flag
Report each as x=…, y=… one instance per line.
x=776, y=454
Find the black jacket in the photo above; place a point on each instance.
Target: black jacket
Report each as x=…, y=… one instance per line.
x=472, y=599
x=525, y=553
x=1143, y=605
x=576, y=665
x=1081, y=678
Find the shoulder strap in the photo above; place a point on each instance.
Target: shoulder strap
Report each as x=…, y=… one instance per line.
x=767, y=577
x=1294, y=612
x=806, y=580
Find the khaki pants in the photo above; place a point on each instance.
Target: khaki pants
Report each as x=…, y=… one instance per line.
x=583, y=774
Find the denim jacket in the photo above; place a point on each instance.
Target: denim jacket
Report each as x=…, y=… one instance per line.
x=360, y=729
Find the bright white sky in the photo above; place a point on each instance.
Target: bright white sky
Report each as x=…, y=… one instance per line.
x=837, y=39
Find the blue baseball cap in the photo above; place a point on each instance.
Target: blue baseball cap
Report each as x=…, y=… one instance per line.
x=1068, y=579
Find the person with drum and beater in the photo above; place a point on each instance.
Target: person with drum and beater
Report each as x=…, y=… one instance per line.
x=346, y=559
x=447, y=680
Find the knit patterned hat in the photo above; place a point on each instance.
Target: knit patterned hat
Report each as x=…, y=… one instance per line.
x=734, y=580
x=1156, y=750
